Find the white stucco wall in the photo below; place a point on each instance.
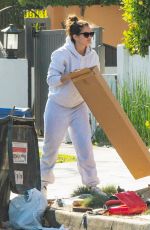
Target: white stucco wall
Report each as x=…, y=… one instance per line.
x=13, y=83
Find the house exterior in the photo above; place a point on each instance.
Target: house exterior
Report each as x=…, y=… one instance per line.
x=107, y=17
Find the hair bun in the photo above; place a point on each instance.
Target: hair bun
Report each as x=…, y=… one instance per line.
x=73, y=18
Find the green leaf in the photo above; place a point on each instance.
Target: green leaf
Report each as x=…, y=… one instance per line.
x=137, y=14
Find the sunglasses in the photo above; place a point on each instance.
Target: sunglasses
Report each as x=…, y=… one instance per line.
x=87, y=34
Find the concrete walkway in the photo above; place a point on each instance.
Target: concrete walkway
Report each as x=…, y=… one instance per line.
x=110, y=167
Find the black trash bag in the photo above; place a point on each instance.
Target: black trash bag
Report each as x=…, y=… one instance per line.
x=49, y=218
x=4, y=172
x=23, y=155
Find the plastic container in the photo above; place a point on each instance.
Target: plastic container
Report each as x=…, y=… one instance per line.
x=23, y=155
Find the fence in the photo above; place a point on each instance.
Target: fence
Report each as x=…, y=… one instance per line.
x=132, y=67
x=110, y=55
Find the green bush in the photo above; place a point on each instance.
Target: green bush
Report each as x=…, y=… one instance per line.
x=100, y=138
x=137, y=15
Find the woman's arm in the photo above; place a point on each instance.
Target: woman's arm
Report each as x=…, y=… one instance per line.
x=56, y=70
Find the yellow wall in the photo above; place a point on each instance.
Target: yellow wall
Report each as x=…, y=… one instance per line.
x=107, y=17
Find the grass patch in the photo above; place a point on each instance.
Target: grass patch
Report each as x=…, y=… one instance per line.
x=95, y=200
x=81, y=190
x=62, y=157
x=109, y=189
x=134, y=96
x=147, y=212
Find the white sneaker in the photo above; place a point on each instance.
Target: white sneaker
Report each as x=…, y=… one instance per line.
x=97, y=190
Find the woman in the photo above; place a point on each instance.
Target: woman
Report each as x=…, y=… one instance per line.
x=65, y=108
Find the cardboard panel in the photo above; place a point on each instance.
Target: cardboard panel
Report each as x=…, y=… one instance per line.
x=113, y=120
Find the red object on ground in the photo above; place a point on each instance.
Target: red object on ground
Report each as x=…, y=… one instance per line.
x=113, y=202
x=131, y=204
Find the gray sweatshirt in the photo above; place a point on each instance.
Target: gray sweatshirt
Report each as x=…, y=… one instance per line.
x=64, y=60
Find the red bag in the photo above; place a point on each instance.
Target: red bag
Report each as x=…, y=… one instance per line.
x=131, y=204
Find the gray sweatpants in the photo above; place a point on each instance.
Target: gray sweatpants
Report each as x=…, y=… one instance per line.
x=57, y=119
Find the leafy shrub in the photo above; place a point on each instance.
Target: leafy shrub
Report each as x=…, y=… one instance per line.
x=100, y=138
x=137, y=15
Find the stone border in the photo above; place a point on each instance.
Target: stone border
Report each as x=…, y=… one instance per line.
x=72, y=220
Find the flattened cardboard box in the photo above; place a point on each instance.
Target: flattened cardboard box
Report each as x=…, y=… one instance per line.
x=114, y=121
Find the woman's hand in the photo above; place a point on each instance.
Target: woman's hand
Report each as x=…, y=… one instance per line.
x=64, y=78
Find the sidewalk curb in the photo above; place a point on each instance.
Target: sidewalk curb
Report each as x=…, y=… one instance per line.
x=72, y=220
